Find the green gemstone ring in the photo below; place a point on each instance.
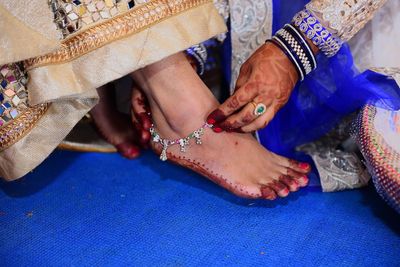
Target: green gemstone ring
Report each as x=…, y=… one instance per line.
x=259, y=109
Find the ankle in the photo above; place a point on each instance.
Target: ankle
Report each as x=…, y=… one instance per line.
x=178, y=99
x=185, y=118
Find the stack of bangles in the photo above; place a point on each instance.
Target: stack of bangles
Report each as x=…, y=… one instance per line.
x=296, y=48
x=291, y=39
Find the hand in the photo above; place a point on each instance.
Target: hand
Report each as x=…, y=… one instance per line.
x=140, y=116
x=267, y=77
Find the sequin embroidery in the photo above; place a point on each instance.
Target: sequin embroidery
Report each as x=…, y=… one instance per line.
x=72, y=15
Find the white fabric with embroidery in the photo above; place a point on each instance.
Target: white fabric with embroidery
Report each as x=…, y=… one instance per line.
x=251, y=25
x=382, y=32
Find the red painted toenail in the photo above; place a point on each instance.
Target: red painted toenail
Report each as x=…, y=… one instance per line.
x=128, y=151
x=304, y=166
x=284, y=192
x=303, y=180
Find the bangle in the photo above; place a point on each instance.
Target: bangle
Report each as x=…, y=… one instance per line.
x=199, y=53
x=287, y=53
x=318, y=34
x=297, y=50
x=281, y=45
x=304, y=44
x=293, y=44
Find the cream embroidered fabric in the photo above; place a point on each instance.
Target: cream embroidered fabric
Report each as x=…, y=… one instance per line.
x=18, y=28
x=382, y=31
x=344, y=18
x=69, y=82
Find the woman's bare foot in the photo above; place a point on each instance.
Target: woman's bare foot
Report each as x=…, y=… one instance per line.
x=114, y=126
x=235, y=161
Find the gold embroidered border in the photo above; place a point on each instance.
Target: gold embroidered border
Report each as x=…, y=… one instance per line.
x=12, y=132
x=121, y=26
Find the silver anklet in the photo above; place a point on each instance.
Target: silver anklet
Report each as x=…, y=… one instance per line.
x=182, y=142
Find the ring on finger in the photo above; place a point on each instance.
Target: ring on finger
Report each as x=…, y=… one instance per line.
x=259, y=108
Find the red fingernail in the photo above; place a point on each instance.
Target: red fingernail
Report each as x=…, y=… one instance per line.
x=217, y=129
x=211, y=121
x=304, y=166
x=217, y=115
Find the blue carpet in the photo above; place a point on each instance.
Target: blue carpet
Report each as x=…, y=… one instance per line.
x=101, y=210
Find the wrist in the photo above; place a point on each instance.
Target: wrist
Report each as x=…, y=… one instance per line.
x=313, y=47
x=284, y=59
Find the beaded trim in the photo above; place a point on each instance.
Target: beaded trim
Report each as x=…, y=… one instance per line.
x=317, y=33
x=131, y=22
x=182, y=142
x=382, y=160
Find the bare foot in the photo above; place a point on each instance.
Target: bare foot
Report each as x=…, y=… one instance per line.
x=114, y=126
x=235, y=161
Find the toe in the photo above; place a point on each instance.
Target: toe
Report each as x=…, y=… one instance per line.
x=268, y=193
x=290, y=182
x=301, y=167
x=300, y=178
x=303, y=181
x=128, y=150
x=145, y=138
x=279, y=188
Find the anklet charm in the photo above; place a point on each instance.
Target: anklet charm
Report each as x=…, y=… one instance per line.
x=182, y=142
x=165, y=146
x=198, y=134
